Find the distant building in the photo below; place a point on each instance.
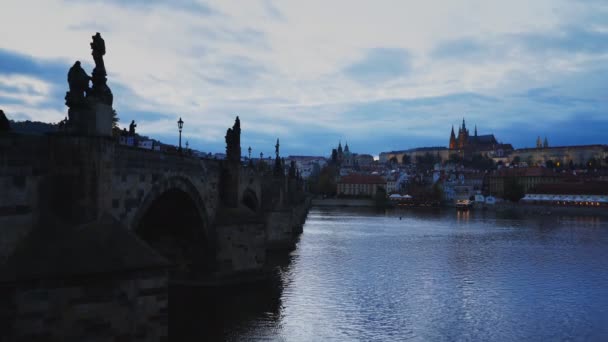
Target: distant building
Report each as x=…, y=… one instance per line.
x=464, y=141
x=127, y=140
x=411, y=154
x=308, y=165
x=391, y=183
x=467, y=145
x=586, y=194
x=147, y=144
x=361, y=185
x=562, y=155
x=364, y=160
x=463, y=185
x=527, y=177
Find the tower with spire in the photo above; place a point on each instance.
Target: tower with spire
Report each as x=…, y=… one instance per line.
x=452, y=139
x=463, y=135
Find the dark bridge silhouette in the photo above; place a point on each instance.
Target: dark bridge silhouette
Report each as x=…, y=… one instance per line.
x=103, y=228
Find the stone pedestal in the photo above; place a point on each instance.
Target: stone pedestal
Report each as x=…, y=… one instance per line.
x=102, y=119
x=93, y=119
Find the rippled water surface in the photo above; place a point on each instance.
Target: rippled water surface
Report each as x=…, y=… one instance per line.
x=359, y=275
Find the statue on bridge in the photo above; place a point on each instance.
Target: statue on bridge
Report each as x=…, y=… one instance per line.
x=90, y=108
x=100, y=89
x=5, y=126
x=132, y=128
x=276, y=148
x=278, y=165
x=233, y=142
x=78, y=80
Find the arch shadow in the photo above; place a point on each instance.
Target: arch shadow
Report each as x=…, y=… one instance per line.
x=173, y=221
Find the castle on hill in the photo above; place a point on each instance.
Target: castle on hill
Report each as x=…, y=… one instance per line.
x=474, y=142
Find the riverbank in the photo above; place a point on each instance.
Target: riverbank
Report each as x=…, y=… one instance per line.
x=504, y=207
x=343, y=202
x=535, y=209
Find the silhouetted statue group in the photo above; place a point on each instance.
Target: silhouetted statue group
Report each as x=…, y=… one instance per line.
x=85, y=116
x=78, y=79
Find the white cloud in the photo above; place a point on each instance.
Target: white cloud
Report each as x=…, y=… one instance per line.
x=26, y=89
x=280, y=63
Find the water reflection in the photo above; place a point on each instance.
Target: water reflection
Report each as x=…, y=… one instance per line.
x=462, y=216
x=418, y=274
x=227, y=313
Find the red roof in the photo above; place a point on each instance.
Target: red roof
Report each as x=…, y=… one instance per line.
x=362, y=179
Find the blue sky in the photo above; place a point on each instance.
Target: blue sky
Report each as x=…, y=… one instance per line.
x=382, y=75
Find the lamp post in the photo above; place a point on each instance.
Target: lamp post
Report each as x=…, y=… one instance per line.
x=249, y=149
x=180, y=125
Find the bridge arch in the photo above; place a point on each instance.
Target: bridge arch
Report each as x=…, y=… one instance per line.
x=172, y=219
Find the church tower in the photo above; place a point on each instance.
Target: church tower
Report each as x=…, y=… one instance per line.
x=463, y=135
x=452, y=139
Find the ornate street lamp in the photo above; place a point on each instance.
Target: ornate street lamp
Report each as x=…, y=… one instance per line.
x=180, y=125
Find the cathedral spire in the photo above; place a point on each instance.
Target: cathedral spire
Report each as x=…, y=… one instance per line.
x=452, y=139
x=464, y=127
x=475, y=130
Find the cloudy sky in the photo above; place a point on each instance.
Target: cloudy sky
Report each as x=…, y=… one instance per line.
x=382, y=74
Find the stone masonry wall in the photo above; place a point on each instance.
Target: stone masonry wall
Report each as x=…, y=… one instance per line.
x=23, y=163
x=241, y=247
x=136, y=172
x=115, y=307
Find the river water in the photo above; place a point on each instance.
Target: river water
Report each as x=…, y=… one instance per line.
x=360, y=275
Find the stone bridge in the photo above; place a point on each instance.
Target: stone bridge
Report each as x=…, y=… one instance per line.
x=92, y=231
x=176, y=203
x=96, y=218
